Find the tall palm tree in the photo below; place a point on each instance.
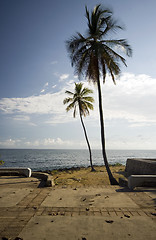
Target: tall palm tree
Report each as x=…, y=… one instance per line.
x=94, y=55
x=80, y=99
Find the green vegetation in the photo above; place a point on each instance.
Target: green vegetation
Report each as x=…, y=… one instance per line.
x=1, y=162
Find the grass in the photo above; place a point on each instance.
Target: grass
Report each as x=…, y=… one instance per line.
x=84, y=177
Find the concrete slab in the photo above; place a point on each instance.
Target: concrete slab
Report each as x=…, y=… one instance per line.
x=95, y=197
x=84, y=213
x=13, y=189
x=89, y=228
x=11, y=197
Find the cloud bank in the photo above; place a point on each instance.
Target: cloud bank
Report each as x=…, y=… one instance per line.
x=132, y=99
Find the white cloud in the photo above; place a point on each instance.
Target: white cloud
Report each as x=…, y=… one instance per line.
x=21, y=118
x=10, y=143
x=42, y=91
x=132, y=99
x=54, y=86
x=42, y=104
x=45, y=143
x=44, y=87
x=63, y=77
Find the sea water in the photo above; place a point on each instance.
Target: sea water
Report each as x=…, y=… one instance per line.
x=38, y=159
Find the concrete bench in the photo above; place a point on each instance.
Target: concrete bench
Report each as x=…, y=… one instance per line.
x=141, y=180
x=24, y=171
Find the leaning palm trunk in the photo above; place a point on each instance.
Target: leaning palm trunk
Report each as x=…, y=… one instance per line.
x=85, y=132
x=111, y=178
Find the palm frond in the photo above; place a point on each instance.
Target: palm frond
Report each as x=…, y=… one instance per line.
x=125, y=47
x=67, y=100
x=88, y=99
x=89, y=105
x=86, y=91
x=70, y=106
x=69, y=92
x=111, y=26
x=114, y=55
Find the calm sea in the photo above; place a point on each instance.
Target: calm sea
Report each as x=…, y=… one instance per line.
x=55, y=159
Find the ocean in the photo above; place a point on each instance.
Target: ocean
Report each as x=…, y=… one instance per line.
x=43, y=160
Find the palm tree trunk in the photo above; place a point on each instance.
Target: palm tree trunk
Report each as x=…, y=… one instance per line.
x=90, y=154
x=111, y=178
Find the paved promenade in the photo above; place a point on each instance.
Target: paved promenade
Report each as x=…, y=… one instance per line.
x=76, y=213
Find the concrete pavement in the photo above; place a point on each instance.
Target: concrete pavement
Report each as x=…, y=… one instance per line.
x=80, y=213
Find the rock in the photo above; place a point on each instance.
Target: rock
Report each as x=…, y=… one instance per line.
x=109, y=221
x=154, y=214
x=98, y=194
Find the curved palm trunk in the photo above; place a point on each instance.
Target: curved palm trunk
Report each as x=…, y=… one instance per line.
x=111, y=178
x=90, y=154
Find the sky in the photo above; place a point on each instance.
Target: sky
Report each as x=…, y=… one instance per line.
x=35, y=72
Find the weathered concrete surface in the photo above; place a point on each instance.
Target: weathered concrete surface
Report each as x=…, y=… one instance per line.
x=62, y=213
x=93, y=197
x=14, y=188
x=140, y=166
x=84, y=227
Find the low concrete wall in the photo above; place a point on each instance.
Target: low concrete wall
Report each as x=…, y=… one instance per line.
x=47, y=178
x=23, y=171
x=140, y=166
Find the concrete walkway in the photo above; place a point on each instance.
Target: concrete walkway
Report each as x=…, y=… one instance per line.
x=76, y=213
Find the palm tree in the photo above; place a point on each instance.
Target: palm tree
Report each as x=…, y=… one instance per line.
x=94, y=55
x=80, y=99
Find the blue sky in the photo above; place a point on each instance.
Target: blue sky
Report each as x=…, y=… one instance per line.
x=35, y=71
